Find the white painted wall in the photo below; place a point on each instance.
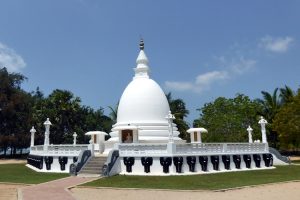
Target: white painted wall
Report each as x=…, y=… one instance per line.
x=157, y=168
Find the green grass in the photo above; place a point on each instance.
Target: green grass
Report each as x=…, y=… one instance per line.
x=296, y=161
x=19, y=173
x=206, y=181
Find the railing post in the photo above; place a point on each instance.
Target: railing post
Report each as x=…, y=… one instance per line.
x=224, y=148
x=171, y=148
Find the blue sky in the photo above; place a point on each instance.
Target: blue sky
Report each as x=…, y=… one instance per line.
x=198, y=50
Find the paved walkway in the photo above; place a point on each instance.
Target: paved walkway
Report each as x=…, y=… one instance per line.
x=53, y=190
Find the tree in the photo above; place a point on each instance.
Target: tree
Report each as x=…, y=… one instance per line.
x=63, y=108
x=67, y=116
x=15, y=106
x=178, y=109
x=287, y=124
x=228, y=119
x=94, y=120
x=19, y=110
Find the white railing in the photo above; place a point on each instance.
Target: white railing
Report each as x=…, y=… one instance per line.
x=58, y=150
x=191, y=149
x=221, y=148
x=198, y=148
x=142, y=149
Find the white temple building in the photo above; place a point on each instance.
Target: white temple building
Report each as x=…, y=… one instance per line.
x=144, y=141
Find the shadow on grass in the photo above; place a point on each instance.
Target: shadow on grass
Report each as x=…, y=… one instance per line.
x=204, y=181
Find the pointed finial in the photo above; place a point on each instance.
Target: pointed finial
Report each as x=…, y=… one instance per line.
x=141, y=44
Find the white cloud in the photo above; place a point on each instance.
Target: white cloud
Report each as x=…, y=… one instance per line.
x=237, y=65
x=208, y=78
x=203, y=82
x=180, y=86
x=10, y=59
x=277, y=45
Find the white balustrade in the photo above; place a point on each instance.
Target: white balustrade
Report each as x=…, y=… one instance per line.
x=58, y=150
x=142, y=149
x=192, y=149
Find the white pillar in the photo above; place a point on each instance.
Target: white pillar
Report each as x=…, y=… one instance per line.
x=170, y=119
x=74, y=138
x=32, y=131
x=135, y=136
x=91, y=146
x=47, y=124
x=192, y=137
x=120, y=136
x=263, y=123
x=249, y=129
x=199, y=136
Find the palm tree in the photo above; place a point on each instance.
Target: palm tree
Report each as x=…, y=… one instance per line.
x=286, y=94
x=178, y=108
x=270, y=107
x=114, y=112
x=270, y=104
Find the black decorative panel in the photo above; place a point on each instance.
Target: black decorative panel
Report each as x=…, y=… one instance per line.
x=226, y=161
x=191, y=161
x=36, y=161
x=215, y=162
x=237, y=161
x=268, y=159
x=48, y=162
x=128, y=162
x=178, y=162
x=166, y=163
x=247, y=160
x=203, y=160
x=147, y=162
x=257, y=159
x=75, y=159
x=63, y=161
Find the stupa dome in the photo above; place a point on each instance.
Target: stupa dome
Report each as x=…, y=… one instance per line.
x=142, y=101
x=144, y=105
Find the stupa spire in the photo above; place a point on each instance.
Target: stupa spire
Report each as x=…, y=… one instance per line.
x=142, y=44
x=142, y=68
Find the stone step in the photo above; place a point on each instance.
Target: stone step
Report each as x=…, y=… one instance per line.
x=91, y=172
x=94, y=166
x=89, y=175
x=97, y=162
x=100, y=158
x=92, y=160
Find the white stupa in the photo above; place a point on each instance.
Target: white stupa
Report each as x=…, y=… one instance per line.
x=143, y=108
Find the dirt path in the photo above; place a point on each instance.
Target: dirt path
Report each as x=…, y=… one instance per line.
x=9, y=191
x=11, y=161
x=290, y=191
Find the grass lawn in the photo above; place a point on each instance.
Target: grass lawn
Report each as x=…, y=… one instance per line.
x=207, y=181
x=296, y=161
x=19, y=173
